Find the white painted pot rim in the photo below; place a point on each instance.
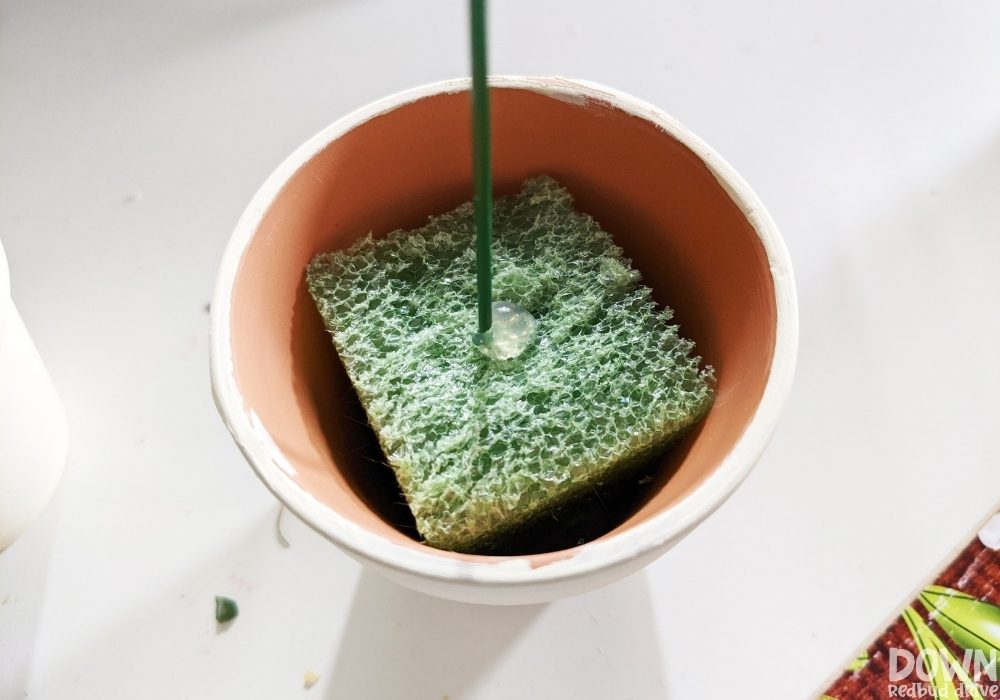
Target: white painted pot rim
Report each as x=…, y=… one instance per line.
x=655, y=535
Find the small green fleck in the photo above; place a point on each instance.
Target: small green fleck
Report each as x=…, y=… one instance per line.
x=858, y=663
x=225, y=609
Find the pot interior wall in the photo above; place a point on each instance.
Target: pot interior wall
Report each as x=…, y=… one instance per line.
x=690, y=241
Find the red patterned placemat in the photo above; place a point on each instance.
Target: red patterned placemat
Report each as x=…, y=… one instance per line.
x=945, y=643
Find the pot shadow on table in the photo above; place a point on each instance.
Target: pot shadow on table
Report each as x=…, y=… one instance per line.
x=28, y=561
x=292, y=603
x=398, y=643
x=308, y=606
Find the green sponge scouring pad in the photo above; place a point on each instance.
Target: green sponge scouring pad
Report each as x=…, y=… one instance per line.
x=481, y=448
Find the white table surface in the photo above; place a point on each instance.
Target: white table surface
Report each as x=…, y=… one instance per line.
x=133, y=134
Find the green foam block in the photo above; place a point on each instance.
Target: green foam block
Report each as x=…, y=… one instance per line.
x=483, y=449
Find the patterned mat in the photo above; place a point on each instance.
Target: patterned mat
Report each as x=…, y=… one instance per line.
x=945, y=643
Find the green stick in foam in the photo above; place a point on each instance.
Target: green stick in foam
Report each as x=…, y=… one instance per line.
x=505, y=329
x=482, y=167
x=487, y=453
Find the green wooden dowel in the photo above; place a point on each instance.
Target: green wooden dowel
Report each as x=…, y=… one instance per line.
x=482, y=167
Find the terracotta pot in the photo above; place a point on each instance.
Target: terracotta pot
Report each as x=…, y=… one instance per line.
x=697, y=233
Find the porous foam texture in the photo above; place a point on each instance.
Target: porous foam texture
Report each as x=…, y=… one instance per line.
x=483, y=448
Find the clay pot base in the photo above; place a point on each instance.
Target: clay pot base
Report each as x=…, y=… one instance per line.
x=693, y=245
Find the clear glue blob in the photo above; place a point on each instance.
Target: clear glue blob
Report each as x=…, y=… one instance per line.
x=513, y=330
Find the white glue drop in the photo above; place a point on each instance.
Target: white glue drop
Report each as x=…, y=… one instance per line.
x=512, y=332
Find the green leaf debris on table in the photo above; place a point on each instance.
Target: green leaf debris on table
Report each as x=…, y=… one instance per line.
x=225, y=609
